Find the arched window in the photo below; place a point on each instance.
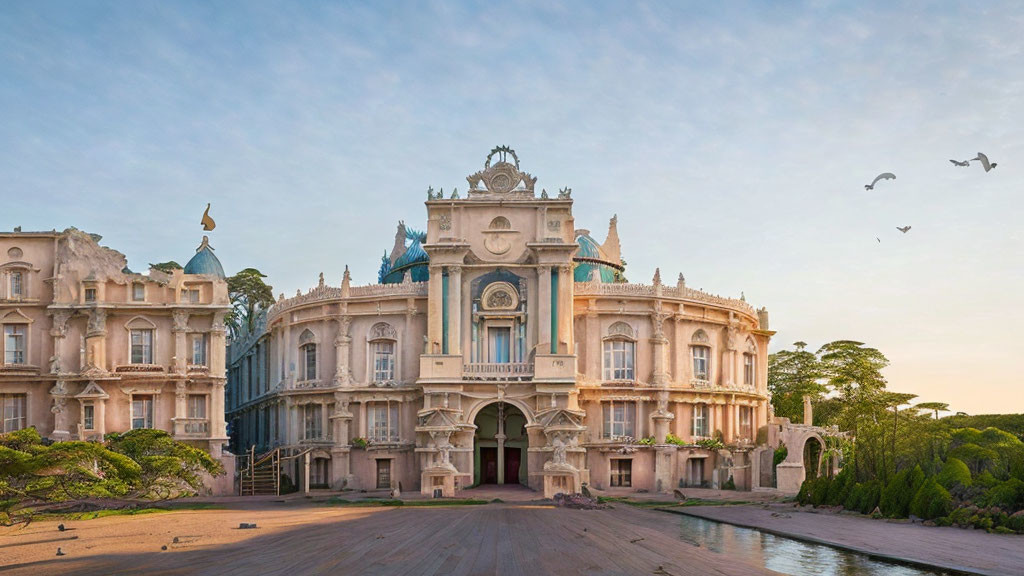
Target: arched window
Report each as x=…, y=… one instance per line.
x=383, y=343
x=142, y=340
x=619, y=353
x=500, y=223
x=700, y=349
x=750, y=364
x=15, y=333
x=307, y=349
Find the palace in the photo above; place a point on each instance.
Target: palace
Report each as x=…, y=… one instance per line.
x=503, y=345
x=90, y=347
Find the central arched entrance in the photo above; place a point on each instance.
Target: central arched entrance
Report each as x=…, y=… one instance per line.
x=499, y=445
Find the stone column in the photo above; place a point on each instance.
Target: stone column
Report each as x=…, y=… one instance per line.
x=500, y=437
x=218, y=347
x=455, y=310
x=59, y=394
x=343, y=349
x=59, y=331
x=218, y=427
x=181, y=409
x=565, y=324
x=181, y=352
x=96, y=340
x=434, y=316
x=544, y=309
x=659, y=347
x=100, y=416
x=594, y=354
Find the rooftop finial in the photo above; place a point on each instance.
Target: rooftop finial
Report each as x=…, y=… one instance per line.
x=207, y=222
x=346, y=281
x=657, y=276
x=681, y=281
x=321, y=284
x=743, y=296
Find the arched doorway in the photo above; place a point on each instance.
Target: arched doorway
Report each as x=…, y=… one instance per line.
x=499, y=445
x=813, y=449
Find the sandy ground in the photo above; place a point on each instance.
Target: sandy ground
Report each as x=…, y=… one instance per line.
x=953, y=548
x=292, y=538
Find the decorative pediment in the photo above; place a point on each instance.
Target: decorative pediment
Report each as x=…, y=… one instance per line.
x=15, y=317
x=503, y=177
x=140, y=323
x=437, y=419
x=561, y=419
x=92, y=390
x=382, y=331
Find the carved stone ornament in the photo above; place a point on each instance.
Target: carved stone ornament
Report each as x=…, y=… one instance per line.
x=60, y=323
x=445, y=222
x=499, y=296
x=503, y=176
x=383, y=331
x=620, y=329
x=97, y=322
x=180, y=320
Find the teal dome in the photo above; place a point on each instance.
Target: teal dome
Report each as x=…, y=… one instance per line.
x=205, y=262
x=592, y=263
x=410, y=256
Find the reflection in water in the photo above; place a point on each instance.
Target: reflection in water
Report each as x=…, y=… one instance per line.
x=787, y=555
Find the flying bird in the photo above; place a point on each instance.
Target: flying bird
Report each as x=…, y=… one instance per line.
x=879, y=239
x=882, y=176
x=984, y=162
x=961, y=162
x=207, y=222
x=903, y=229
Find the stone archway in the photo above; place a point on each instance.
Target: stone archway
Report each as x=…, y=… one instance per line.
x=500, y=445
x=813, y=449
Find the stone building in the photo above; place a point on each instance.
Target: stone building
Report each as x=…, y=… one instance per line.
x=504, y=345
x=90, y=347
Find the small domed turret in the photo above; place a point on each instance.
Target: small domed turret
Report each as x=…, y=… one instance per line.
x=205, y=262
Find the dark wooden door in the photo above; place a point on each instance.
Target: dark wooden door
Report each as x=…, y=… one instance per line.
x=512, y=456
x=488, y=465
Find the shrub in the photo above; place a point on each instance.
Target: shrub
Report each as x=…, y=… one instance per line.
x=729, y=484
x=1008, y=494
x=671, y=438
x=814, y=491
x=780, y=454
x=954, y=473
x=649, y=441
x=900, y=491
x=840, y=487
x=1016, y=521
x=360, y=442
x=711, y=444
x=931, y=501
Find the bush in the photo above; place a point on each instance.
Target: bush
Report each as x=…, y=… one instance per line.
x=730, y=484
x=931, y=501
x=954, y=473
x=671, y=438
x=840, y=487
x=1008, y=495
x=780, y=454
x=814, y=491
x=900, y=492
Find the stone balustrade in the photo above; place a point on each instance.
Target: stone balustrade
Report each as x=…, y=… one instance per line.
x=595, y=288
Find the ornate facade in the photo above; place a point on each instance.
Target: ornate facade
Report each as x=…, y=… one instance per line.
x=504, y=345
x=90, y=347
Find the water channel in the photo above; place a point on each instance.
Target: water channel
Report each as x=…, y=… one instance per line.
x=789, y=556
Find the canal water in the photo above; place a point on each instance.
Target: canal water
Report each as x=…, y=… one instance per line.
x=789, y=556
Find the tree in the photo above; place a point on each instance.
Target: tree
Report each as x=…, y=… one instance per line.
x=793, y=374
x=169, y=267
x=936, y=407
x=250, y=296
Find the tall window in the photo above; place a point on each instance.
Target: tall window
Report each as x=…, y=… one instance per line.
x=312, y=418
x=307, y=355
x=622, y=473
x=17, y=286
x=618, y=359
x=746, y=419
x=142, y=412
x=701, y=362
x=89, y=417
x=197, y=351
x=700, y=421
x=382, y=421
x=138, y=291
x=748, y=369
x=619, y=419
x=13, y=408
x=14, y=344
x=197, y=406
x=383, y=360
x=142, y=346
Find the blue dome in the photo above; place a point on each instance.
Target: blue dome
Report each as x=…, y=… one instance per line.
x=591, y=262
x=205, y=262
x=413, y=259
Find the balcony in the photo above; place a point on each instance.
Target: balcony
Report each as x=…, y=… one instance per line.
x=192, y=427
x=497, y=371
x=139, y=368
x=197, y=369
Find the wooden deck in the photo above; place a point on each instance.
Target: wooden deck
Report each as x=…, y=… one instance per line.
x=505, y=539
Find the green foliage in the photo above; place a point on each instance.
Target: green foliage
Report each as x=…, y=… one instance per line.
x=1012, y=423
x=167, y=267
x=711, y=443
x=814, y=491
x=899, y=492
x=730, y=484
x=1007, y=495
x=954, y=473
x=250, y=296
x=840, y=487
x=169, y=468
x=648, y=441
x=780, y=455
x=793, y=374
x=360, y=442
x=671, y=438
x=931, y=501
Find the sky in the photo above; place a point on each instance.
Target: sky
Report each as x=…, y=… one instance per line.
x=733, y=140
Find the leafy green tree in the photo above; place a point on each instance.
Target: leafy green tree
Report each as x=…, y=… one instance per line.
x=954, y=473
x=931, y=501
x=793, y=374
x=168, y=267
x=169, y=468
x=936, y=407
x=250, y=296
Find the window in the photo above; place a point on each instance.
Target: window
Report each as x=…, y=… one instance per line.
x=701, y=362
x=748, y=369
x=312, y=418
x=14, y=344
x=309, y=362
x=138, y=291
x=13, y=406
x=90, y=294
x=197, y=351
x=142, y=346
x=142, y=412
x=622, y=473
x=700, y=421
x=89, y=417
x=382, y=422
x=618, y=359
x=383, y=360
x=17, y=286
x=197, y=406
x=190, y=295
x=746, y=417
x=383, y=474
x=619, y=419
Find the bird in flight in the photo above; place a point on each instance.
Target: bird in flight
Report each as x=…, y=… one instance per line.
x=984, y=162
x=963, y=163
x=879, y=239
x=903, y=229
x=882, y=176
x=207, y=222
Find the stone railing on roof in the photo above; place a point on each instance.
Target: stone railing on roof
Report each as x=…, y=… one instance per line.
x=681, y=292
x=325, y=293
